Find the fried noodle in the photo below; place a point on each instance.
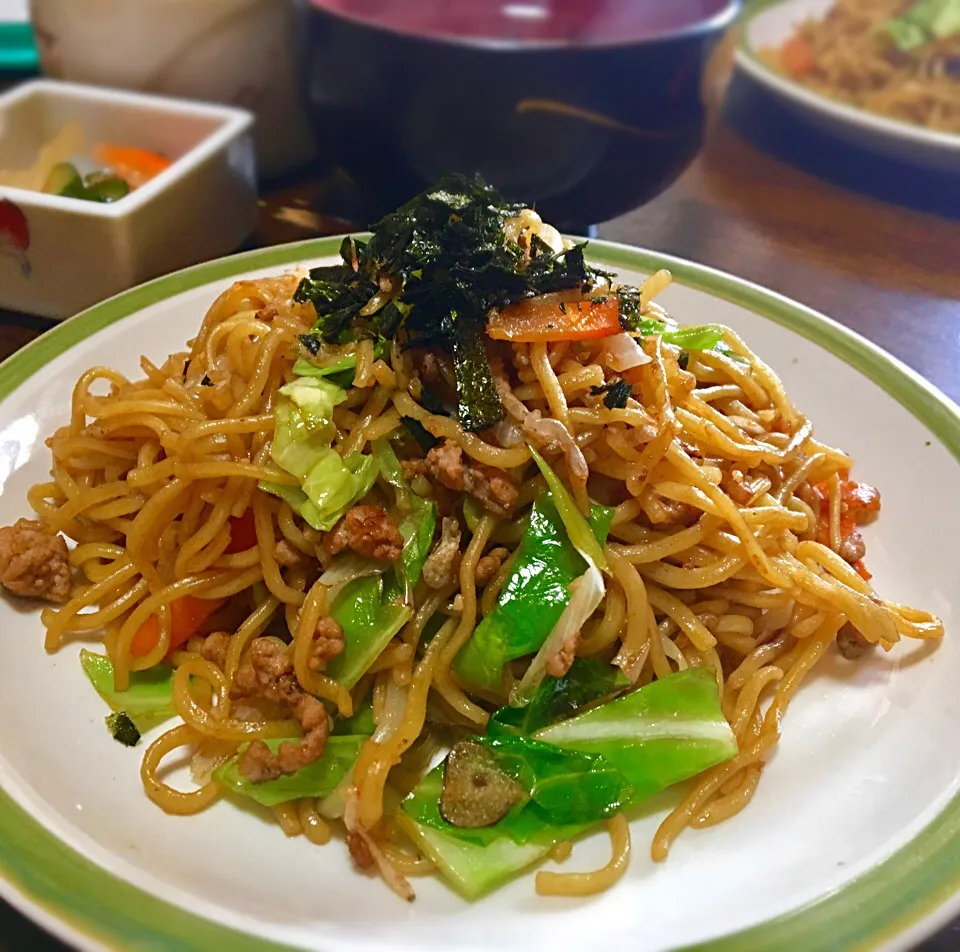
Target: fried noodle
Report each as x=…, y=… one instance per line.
x=719, y=555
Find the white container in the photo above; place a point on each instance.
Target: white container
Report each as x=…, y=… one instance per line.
x=59, y=255
x=236, y=52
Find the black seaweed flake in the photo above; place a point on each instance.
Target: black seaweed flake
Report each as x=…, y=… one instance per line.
x=432, y=403
x=122, y=729
x=446, y=258
x=425, y=439
x=311, y=343
x=616, y=393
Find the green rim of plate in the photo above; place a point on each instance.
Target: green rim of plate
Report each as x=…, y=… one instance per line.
x=79, y=900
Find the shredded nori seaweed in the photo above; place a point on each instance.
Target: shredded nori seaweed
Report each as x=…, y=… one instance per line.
x=616, y=393
x=123, y=729
x=446, y=259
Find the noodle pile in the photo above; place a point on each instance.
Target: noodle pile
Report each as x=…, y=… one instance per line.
x=721, y=493
x=851, y=56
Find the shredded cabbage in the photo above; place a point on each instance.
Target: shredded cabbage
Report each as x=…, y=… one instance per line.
x=583, y=539
x=329, y=485
x=315, y=398
x=345, y=568
x=926, y=20
x=586, y=593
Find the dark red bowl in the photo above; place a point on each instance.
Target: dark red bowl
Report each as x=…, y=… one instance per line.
x=585, y=108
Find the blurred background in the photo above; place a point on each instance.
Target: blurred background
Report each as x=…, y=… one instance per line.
x=811, y=146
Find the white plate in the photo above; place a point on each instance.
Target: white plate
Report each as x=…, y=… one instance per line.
x=770, y=23
x=847, y=843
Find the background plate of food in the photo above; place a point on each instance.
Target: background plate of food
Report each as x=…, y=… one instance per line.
x=882, y=73
x=582, y=556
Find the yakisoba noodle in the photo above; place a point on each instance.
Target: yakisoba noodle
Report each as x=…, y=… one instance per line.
x=854, y=54
x=726, y=551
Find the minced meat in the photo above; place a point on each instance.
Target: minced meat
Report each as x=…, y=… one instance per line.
x=34, y=563
x=369, y=530
x=491, y=486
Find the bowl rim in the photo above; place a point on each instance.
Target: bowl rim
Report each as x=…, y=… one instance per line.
x=722, y=20
x=233, y=123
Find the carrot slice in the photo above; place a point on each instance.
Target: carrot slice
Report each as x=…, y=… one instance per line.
x=187, y=613
x=797, y=56
x=555, y=317
x=136, y=166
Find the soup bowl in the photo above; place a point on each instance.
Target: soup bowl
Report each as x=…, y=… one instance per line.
x=587, y=108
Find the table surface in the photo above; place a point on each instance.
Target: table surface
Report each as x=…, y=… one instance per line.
x=891, y=273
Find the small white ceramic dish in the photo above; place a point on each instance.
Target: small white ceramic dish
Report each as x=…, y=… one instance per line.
x=59, y=255
x=767, y=24
x=238, y=52
x=850, y=842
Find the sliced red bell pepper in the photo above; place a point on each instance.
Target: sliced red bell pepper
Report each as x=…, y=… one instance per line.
x=243, y=533
x=859, y=498
x=857, y=502
x=863, y=571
